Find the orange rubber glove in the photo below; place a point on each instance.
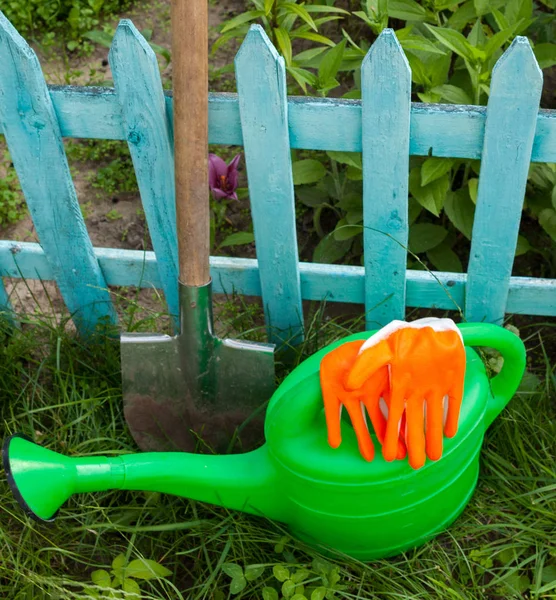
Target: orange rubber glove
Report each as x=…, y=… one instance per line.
x=334, y=368
x=426, y=361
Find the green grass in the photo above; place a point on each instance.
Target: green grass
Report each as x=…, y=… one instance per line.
x=67, y=396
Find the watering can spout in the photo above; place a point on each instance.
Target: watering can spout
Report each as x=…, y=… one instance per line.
x=42, y=480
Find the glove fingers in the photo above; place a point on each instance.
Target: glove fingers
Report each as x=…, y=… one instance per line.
x=455, y=397
x=333, y=413
x=416, y=432
x=395, y=412
x=434, y=424
x=333, y=368
x=356, y=414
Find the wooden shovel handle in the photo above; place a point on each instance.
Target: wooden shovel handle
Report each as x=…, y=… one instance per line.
x=190, y=83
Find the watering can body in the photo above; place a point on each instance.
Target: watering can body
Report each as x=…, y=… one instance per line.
x=330, y=498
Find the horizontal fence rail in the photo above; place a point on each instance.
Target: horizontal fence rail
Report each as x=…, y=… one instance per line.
x=442, y=130
x=333, y=283
x=385, y=126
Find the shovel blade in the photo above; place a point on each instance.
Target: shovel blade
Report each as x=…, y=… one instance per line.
x=177, y=393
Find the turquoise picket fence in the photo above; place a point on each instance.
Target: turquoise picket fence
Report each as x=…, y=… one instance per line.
x=385, y=126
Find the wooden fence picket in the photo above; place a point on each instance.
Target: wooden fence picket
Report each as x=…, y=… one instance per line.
x=515, y=93
x=386, y=91
x=35, y=143
x=261, y=82
x=150, y=140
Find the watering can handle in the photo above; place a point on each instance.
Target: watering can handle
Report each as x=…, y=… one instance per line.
x=290, y=414
x=505, y=384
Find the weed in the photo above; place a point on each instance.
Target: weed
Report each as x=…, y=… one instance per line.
x=12, y=203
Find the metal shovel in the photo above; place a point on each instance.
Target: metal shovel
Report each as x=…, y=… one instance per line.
x=178, y=390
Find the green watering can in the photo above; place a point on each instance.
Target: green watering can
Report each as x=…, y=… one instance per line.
x=329, y=498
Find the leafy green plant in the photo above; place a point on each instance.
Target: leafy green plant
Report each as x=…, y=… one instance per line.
x=70, y=18
x=125, y=576
x=286, y=22
x=315, y=581
x=452, y=47
x=12, y=203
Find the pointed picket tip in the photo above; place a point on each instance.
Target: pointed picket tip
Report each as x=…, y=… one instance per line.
x=11, y=36
x=257, y=41
x=126, y=31
x=517, y=62
x=388, y=47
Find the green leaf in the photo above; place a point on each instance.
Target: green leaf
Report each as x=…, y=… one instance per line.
x=303, y=77
x=523, y=245
x=425, y=236
x=416, y=42
x=500, y=19
x=406, y=10
x=433, y=168
x=364, y=17
x=288, y=588
x=354, y=217
x=118, y=566
x=223, y=39
x=548, y=573
x=100, y=37
x=547, y=219
x=314, y=37
x=324, y=8
x=307, y=171
x=237, y=239
x=445, y=259
x=73, y=18
x=346, y=232
x=131, y=587
x=473, y=185
x=284, y=44
x=300, y=11
x=101, y=578
x=241, y=19
x=311, y=196
x=482, y=7
x=164, y=52
x=270, y=593
x=144, y=568
x=354, y=173
x=253, y=572
x=280, y=572
x=461, y=211
x=452, y=94
x=318, y=593
x=419, y=73
x=298, y=597
x=516, y=10
x=268, y=4
x=453, y=40
x=518, y=583
x=238, y=584
x=414, y=210
x=328, y=251
x=351, y=201
x=498, y=40
x=430, y=196
x=331, y=62
x=347, y=158
x=545, y=55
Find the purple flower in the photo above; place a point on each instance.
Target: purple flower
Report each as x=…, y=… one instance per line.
x=223, y=177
